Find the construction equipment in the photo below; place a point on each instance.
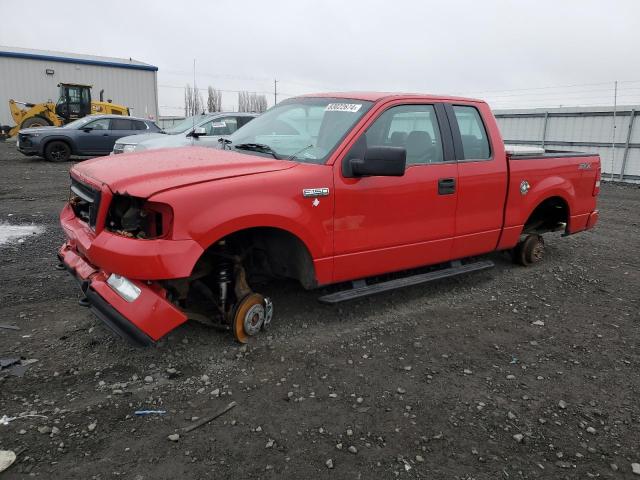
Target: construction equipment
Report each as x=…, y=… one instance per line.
x=74, y=102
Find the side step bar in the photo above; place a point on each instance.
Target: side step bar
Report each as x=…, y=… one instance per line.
x=364, y=291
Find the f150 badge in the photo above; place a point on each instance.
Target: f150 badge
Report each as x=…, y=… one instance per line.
x=524, y=187
x=315, y=192
x=584, y=166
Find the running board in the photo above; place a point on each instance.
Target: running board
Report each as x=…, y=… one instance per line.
x=364, y=291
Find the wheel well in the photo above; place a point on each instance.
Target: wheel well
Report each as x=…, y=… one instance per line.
x=63, y=140
x=550, y=215
x=272, y=252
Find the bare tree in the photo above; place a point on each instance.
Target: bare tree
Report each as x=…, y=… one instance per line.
x=188, y=100
x=193, y=104
x=251, y=102
x=242, y=101
x=214, y=100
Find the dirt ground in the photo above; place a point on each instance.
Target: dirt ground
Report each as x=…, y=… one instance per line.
x=451, y=380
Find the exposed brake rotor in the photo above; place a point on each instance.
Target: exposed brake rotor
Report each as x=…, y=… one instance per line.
x=249, y=317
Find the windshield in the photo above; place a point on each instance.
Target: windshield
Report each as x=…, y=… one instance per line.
x=185, y=124
x=78, y=123
x=301, y=129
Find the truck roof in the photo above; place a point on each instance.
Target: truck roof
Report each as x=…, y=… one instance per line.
x=377, y=96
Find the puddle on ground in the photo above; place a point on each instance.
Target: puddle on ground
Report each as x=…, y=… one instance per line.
x=17, y=233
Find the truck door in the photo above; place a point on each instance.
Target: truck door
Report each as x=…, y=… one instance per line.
x=482, y=180
x=392, y=223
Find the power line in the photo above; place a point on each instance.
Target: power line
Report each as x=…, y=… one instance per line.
x=266, y=92
x=540, y=88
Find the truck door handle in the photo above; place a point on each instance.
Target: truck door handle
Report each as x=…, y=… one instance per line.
x=446, y=186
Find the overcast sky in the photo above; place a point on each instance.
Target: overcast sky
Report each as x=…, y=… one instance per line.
x=512, y=53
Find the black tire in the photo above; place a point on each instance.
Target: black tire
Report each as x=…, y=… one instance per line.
x=57, y=151
x=34, y=122
x=529, y=251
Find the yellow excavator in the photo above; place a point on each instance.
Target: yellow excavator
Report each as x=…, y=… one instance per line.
x=74, y=102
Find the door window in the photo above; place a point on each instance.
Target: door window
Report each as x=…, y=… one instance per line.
x=221, y=126
x=475, y=143
x=121, y=124
x=100, y=124
x=413, y=127
x=86, y=98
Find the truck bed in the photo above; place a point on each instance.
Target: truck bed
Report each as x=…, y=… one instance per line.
x=568, y=177
x=541, y=153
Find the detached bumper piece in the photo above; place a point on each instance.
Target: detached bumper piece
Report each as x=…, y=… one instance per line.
x=115, y=321
x=142, y=321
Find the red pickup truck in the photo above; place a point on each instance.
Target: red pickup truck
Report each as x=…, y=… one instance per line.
x=324, y=189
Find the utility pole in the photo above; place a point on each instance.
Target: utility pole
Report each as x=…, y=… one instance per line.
x=613, y=130
x=275, y=91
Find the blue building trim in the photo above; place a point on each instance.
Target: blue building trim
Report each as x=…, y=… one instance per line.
x=101, y=63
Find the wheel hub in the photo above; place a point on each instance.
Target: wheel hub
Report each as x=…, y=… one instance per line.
x=538, y=251
x=254, y=319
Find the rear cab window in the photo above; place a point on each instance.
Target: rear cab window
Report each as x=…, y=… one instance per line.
x=121, y=124
x=475, y=143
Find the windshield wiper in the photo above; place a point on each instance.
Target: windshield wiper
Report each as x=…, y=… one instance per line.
x=292, y=157
x=257, y=147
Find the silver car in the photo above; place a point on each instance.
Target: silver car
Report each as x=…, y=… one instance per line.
x=202, y=130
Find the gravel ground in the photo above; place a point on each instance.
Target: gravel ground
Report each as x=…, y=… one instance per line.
x=507, y=373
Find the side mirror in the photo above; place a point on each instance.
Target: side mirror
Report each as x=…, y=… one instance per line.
x=198, y=131
x=378, y=161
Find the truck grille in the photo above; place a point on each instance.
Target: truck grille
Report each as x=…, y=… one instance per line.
x=85, y=202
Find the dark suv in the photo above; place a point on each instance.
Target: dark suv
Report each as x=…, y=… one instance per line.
x=93, y=135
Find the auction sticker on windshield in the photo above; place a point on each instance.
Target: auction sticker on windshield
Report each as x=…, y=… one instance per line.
x=343, y=107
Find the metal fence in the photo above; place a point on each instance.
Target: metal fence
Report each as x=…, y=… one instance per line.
x=612, y=133
x=168, y=122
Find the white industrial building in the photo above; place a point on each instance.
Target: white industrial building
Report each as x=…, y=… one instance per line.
x=33, y=75
x=586, y=129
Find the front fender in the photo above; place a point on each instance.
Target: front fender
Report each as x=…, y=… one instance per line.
x=275, y=212
x=212, y=210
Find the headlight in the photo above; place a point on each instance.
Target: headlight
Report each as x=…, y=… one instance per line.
x=138, y=218
x=123, y=287
x=129, y=148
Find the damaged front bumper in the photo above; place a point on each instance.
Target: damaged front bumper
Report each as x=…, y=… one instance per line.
x=141, y=321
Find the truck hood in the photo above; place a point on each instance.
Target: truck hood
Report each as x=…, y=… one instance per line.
x=146, y=173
